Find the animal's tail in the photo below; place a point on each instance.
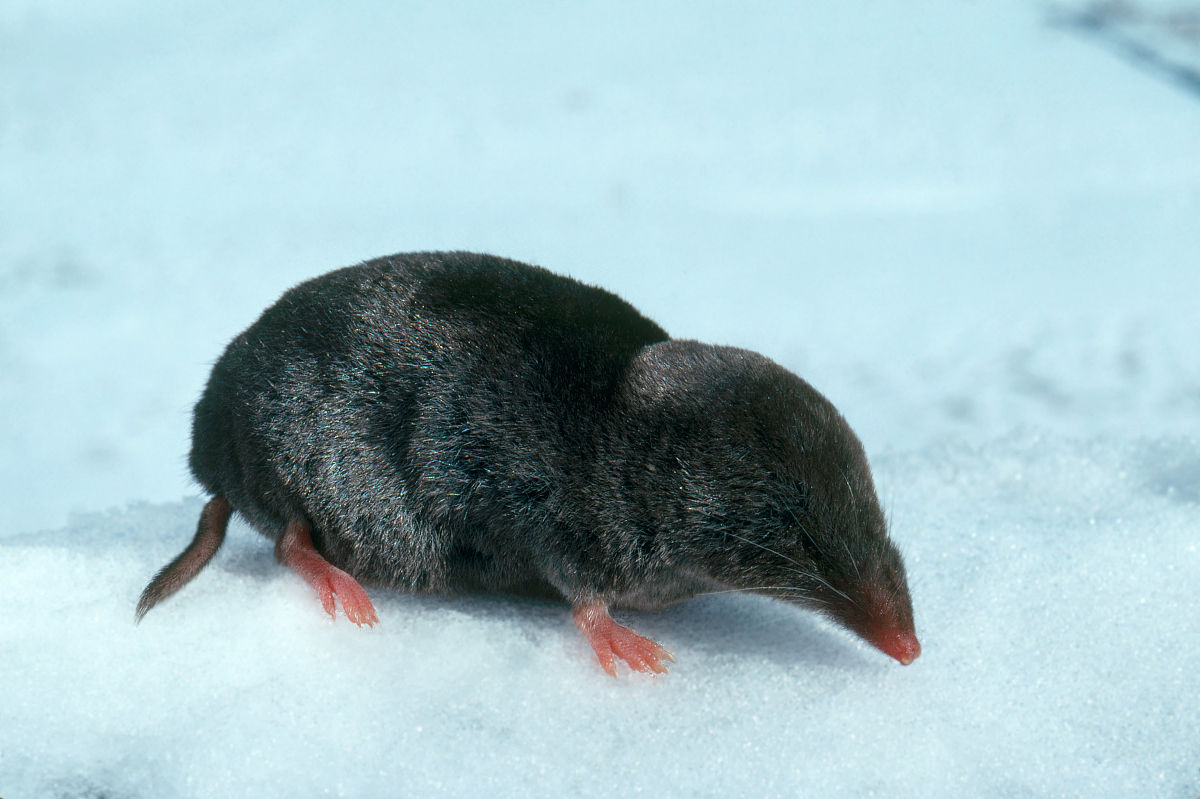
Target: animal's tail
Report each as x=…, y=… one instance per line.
x=210, y=532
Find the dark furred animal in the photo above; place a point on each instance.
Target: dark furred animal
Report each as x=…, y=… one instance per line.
x=449, y=422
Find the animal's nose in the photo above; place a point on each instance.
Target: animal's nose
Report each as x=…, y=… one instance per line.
x=903, y=646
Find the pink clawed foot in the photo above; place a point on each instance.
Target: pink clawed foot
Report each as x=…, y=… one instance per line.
x=610, y=639
x=355, y=601
x=295, y=550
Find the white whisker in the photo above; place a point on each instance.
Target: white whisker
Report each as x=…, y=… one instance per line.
x=809, y=575
x=846, y=547
x=822, y=581
x=793, y=589
x=767, y=549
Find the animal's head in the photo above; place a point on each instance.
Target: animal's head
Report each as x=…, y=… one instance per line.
x=781, y=497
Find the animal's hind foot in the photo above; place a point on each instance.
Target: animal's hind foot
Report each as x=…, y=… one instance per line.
x=295, y=550
x=611, y=640
x=355, y=601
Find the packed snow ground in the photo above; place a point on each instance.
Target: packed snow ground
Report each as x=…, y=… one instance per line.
x=1055, y=583
x=974, y=230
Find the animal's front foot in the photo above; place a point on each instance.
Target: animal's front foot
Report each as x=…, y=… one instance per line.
x=611, y=640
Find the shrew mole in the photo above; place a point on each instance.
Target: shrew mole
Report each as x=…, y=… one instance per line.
x=453, y=422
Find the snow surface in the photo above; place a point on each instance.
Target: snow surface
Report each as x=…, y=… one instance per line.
x=973, y=227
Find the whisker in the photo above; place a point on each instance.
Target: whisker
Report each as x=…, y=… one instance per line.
x=798, y=523
x=822, y=581
x=799, y=571
x=793, y=589
x=850, y=555
x=853, y=499
x=766, y=549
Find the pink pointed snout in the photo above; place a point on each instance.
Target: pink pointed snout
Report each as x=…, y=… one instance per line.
x=903, y=646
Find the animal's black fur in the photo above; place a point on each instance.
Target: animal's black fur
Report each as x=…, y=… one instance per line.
x=452, y=421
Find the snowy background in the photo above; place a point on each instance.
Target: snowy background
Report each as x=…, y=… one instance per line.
x=974, y=226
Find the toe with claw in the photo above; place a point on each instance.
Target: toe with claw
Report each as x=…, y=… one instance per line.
x=611, y=640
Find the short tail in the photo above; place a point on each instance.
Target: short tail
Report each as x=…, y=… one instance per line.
x=210, y=532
